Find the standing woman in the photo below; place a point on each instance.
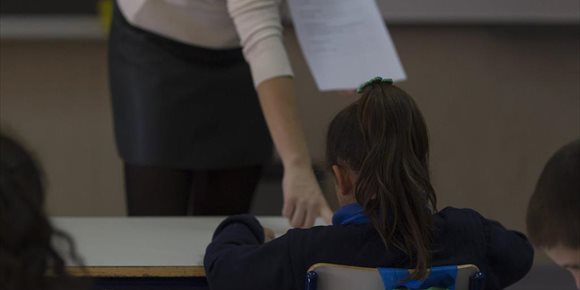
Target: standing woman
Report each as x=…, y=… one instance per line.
x=191, y=107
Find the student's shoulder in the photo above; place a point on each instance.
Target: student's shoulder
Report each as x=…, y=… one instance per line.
x=329, y=233
x=328, y=243
x=462, y=218
x=453, y=212
x=317, y=230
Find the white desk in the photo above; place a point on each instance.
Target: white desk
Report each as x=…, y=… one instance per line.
x=133, y=247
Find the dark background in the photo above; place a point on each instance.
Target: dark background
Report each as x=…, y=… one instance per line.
x=50, y=7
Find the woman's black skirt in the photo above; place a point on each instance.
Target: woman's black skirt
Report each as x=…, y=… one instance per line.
x=181, y=106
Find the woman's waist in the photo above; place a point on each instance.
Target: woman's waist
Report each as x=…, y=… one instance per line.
x=197, y=23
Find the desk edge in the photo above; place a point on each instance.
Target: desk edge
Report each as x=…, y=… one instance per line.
x=137, y=271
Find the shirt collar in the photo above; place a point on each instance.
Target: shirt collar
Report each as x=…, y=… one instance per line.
x=350, y=214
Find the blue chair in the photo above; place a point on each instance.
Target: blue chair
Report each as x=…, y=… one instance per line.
x=324, y=276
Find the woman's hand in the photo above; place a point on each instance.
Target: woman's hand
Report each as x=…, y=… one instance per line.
x=303, y=199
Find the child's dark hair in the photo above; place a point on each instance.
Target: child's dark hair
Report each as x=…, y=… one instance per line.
x=553, y=212
x=383, y=138
x=27, y=255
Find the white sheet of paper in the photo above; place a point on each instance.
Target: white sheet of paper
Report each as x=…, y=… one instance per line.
x=345, y=42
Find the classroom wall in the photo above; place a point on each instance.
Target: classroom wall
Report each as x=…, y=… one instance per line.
x=499, y=100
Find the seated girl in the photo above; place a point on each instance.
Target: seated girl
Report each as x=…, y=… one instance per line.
x=377, y=149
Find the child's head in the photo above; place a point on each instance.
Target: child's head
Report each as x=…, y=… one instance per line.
x=378, y=150
x=25, y=232
x=553, y=218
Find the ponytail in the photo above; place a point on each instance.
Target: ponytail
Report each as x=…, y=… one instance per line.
x=384, y=139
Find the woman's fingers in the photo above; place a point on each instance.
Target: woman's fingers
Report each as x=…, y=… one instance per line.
x=297, y=219
x=311, y=215
x=288, y=209
x=306, y=211
x=303, y=199
x=326, y=214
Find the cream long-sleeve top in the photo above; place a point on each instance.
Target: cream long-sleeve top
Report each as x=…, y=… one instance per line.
x=254, y=25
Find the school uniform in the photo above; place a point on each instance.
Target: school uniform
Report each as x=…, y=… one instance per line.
x=238, y=259
x=186, y=114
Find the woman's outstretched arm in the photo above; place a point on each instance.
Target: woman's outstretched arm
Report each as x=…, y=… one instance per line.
x=260, y=30
x=303, y=199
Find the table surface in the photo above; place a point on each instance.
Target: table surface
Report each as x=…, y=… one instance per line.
x=138, y=246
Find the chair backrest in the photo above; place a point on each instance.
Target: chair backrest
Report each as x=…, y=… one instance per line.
x=324, y=276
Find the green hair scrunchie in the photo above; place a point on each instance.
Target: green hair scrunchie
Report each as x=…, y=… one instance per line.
x=372, y=81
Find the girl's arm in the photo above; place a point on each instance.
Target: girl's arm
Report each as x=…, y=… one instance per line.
x=510, y=255
x=237, y=258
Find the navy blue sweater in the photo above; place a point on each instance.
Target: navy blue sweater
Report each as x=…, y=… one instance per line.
x=238, y=258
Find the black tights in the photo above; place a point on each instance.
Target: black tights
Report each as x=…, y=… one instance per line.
x=155, y=191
